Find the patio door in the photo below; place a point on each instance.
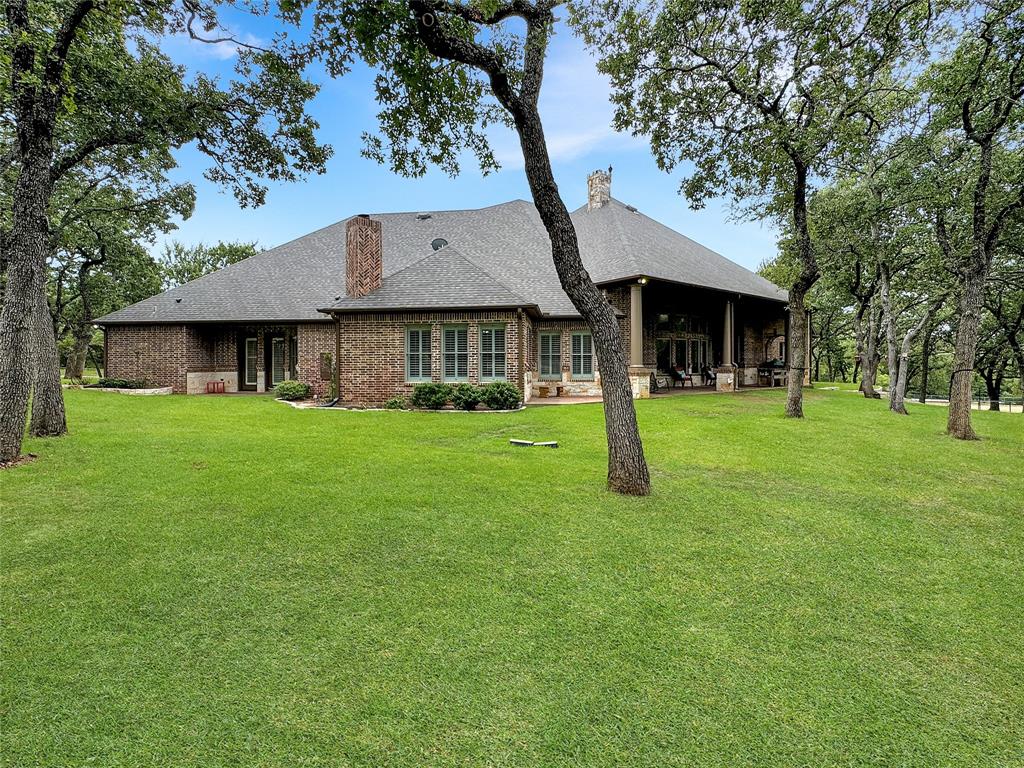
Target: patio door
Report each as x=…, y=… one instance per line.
x=275, y=368
x=248, y=362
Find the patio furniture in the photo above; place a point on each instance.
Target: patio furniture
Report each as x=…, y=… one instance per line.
x=680, y=377
x=771, y=374
x=708, y=377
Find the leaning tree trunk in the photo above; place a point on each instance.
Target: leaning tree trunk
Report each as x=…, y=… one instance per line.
x=25, y=274
x=898, y=385
x=965, y=348
x=627, y=467
x=48, y=418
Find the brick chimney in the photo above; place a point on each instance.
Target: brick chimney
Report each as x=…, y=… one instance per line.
x=364, y=254
x=599, y=188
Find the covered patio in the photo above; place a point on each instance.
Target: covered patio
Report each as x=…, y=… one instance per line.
x=686, y=336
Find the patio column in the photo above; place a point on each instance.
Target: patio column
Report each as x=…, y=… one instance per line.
x=636, y=324
x=727, y=335
x=725, y=374
x=639, y=377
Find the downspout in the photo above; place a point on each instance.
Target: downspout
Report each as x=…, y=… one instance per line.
x=337, y=360
x=522, y=353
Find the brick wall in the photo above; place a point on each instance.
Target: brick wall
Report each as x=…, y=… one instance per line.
x=157, y=354
x=372, y=363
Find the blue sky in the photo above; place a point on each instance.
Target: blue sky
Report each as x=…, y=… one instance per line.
x=577, y=119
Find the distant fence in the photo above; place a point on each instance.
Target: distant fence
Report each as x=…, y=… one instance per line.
x=1007, y=404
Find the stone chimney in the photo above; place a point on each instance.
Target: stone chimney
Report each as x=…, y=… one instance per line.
x=364, y=254
x=599, y=188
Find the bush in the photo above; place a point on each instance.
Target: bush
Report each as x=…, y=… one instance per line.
x=431, y=396
x=501, y=396
x=121, y=383
x=466, y=397
x=292, y=390
x=397, y=403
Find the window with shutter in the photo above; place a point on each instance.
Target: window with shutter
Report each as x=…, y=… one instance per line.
x=582, y=356
x=417, y=354
x=492, y=352
x=455, y=353
x=551, y=355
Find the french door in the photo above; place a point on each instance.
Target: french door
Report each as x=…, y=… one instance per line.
x=275, y=368
x=248, y=362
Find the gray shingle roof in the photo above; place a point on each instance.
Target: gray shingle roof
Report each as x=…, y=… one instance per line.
x=506, y=242
x=444, y=279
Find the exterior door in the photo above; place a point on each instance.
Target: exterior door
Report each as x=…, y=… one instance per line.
x=248, y=362
x=275, y=368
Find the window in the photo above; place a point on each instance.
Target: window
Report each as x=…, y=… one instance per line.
x=417, y=354
x=582, y=356
x=492, y=352
x=293, y=357
x=551, y=355
x=455, y=353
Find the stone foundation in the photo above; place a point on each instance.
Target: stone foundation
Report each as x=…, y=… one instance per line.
x=197, y=381
x=725, y=379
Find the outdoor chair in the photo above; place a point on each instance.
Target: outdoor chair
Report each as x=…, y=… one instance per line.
x=680, y=377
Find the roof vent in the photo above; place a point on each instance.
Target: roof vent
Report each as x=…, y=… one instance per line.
x=631, y=208
x=438, y=243
x=177, y=301
x=422, y=216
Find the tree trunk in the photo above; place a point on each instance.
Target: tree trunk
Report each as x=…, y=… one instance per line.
x=797, y=341
x=48, y=418
x=627, y=467
x=866, y=334
x=898, y=386
x=869, y=362
x=75, y=368
x=797, y=354
x=926, y=352
x=964, y=350
x=25, y=282
x=892, y=360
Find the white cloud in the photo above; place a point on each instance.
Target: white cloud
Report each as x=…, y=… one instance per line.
x=182, y=45
x=574, y=106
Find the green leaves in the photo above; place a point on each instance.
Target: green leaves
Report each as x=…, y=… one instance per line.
x=740, y=91
x=181, y=263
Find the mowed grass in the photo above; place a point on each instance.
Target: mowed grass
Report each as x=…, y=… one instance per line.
x=233, y=582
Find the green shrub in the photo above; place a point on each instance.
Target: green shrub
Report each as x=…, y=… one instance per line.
x=466, y=397
x=431, y=395
x=501, y=396
x=397, y=403
x=121, y=383
x=292, y=390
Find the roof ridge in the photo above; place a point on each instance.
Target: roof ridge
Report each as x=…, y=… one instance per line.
x=512, y=293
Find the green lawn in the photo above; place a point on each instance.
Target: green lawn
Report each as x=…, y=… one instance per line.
x=233, y=582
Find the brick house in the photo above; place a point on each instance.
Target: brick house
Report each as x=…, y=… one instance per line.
x=370, y=306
